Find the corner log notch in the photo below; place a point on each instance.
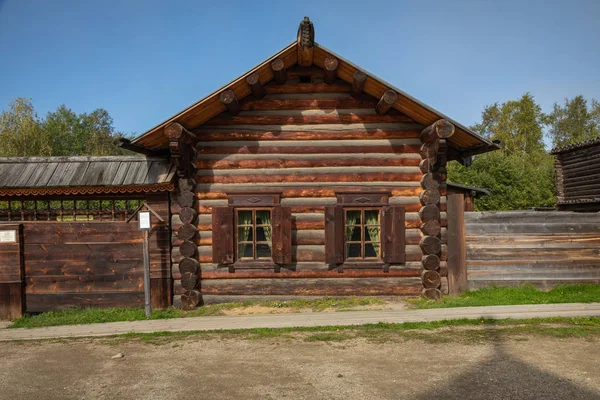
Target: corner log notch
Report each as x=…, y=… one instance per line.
x=306, y=43
x=228, y=98
x=181, y=144
x=434, y=154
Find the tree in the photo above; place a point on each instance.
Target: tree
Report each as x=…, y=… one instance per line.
x=20, y=133
x=517, y=123
x=574, y=122
x=60, y=133
x=521, y=175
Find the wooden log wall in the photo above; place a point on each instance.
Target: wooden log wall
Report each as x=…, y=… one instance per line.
x=94, y=264
x=305, y=139
x=11, y=272
x=540, y=248
x=578, y=179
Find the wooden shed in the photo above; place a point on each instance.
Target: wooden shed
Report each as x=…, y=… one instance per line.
x=577, y=168
x=309, y=176
x=64, y=236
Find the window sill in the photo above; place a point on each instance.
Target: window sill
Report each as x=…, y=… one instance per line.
x=363, y=265
x=263, y=264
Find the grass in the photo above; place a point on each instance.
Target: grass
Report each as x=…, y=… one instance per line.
x=461, y=330
x=96, y=315
x=525, y=294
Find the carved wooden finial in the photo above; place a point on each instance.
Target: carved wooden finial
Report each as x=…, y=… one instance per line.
x=306, y=43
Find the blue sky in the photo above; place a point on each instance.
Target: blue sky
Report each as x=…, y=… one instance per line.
x=146, y=60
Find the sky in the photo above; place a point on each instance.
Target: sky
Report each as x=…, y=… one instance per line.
x=145, y=61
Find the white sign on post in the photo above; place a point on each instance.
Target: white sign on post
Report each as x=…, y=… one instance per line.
x=8, y=236
x=144, y=218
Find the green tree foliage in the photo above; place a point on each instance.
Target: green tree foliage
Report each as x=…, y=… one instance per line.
x=521, y=175
x=60, y=133
x=574, y=122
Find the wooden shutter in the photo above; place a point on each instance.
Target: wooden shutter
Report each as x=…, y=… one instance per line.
x=282, y=235
x=222, y=235
x=393, y=238
x=334, y=235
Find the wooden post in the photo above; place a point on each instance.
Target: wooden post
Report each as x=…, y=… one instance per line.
x=147, y=304
x=457, y=251
x=12, y=276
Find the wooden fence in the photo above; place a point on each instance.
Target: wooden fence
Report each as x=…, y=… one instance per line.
x=541, y=248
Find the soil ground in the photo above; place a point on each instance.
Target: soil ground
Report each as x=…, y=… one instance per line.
x=221, y=366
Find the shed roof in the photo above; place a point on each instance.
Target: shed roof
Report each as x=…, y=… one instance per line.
x=53, y=175
x=575, y=146
x=478, y=191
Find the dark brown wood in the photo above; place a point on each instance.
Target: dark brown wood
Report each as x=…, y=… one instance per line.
x=190, y=299
x=228, y=98
x=393, y=235
x=457, y=252
x=223, y=235
x=433, y=294
x=189, y=281
x=331, y=65
x=253, y=80
x=188, y=215
x=431, y=262
x=427, y=165
x=282, y=235
x=306, y=43
x=279, y=73
x=186, y=184
x=430, y=245
x=430, y=197
x=431, y=279
x=189, y=265
x=186, y=199
x=429, y=212
x=253, y=199
x=441, y=129
x=366, y=198
x=431, y=227
x=306, y=119
x=334, y=234
x=358, y=83
x=430, y=181
x=188, y=248
x=187, y=232
x=177, y=133
x=429, y=149
x=333, y=274
x=386, y=102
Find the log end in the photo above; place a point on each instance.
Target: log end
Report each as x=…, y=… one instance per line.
x=444, y=128
x=174, y=131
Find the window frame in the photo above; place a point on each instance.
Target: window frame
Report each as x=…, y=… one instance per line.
x=363, y=242
x=254, y=242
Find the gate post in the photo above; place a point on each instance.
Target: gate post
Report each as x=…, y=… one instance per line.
x=12, y=288
x=457, y=248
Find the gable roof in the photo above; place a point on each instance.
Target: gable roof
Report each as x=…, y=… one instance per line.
x=575, y=146
x=52, y=175
x=464, y=140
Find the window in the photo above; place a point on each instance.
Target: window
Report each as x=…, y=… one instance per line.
x=254, y=234
x=363, y=233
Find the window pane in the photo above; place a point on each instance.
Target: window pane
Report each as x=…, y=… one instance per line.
x=371, y=217
x=245, y=234
x=372, y=250
x=353, y=233
x=371, y=233
x=263, y=234
x=263, y=217
x=353, y=250
x=245, y=217
x=245, y=251
x=263, y=251
x=352, y=217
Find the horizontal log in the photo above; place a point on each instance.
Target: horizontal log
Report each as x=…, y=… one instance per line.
x=329, y=117
x=530, y=254
x=333, y=274
x=261, y=177
x=322, y=287
x=337, y=87
x=85, y=284
x=540, y=284
x=40, y=233
x=304, y=135
x=530, y=217
x=339, y=102
x=214, y=191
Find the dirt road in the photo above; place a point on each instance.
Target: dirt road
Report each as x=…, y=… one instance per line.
x=221, y=367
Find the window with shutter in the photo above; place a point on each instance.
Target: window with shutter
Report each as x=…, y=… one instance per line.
x=363, y=229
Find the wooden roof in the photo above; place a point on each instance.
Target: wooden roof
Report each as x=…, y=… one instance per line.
x=575, y=146
x=464, y=140
x=83, y=172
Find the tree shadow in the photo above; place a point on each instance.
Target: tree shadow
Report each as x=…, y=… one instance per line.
x=503, y=376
